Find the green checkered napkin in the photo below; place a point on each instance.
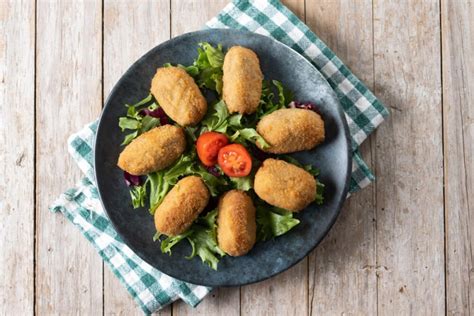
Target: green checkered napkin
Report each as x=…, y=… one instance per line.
x=150, y=288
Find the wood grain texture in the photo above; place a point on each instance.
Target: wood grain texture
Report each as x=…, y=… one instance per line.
x=458, y=113
x=409, y=159
x=68, y=95
x=342, y=270
x=17, y=46
x=191, y=15
x=287, y=293
x=384, y=255
x=187, y=16
x=131, y=28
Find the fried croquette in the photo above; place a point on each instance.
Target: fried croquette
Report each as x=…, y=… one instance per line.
x=291, y=130
x=153, y=150
x=181, y=206
x=242, y=80
x=178, y=95
x=284, y=185
x=236, y=224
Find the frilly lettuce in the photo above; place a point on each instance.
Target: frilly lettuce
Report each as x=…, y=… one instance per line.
x=202, y=237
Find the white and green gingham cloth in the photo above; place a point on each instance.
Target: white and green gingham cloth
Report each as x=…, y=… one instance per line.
x=150, y=288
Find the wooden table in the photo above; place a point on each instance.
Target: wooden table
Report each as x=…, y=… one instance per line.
x=401, y=246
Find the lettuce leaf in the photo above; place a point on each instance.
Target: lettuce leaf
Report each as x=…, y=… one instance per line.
x=136, y=121
x=138, y=195
x=242, y=183
x=269, y=101
x=285, y=96
x=207, y=67
x=216, y=118
x=251, y=135
x=215, y=184
x=171, y=241
x=129, y=123
x=203, y=240
x=161, y=182
x=319, y=192
x=191, y=70
x=202, y=237
x=273, y=221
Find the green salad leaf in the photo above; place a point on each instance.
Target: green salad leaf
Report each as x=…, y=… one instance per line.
x=273, y=221
x=191, y=70
x=138, y=194
x=158, y=189
x=285, y=95
x=161, y=182
x=136, y=122
x=202, y=237
x=209, y=62
x=242, y=183
x=129, y=123
x=251, y=135
x=216, y=118
x=207, y=67
x=269, y=101
x=157, y=236
x=319, y=192
x=169, y=242
x=215, y=184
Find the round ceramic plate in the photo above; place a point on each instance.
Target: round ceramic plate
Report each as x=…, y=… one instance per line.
x=266, y=259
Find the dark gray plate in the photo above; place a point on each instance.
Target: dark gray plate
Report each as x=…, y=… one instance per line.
x=266, y=259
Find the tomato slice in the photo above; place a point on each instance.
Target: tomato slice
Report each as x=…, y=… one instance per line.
x=235, y=160
x=208, y=146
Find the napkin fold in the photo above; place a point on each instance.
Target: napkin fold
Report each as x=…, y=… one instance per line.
x=151, y=289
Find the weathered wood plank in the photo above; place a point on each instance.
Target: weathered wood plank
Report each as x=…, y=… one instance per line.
x=17, y=46
x=458, y=112
x=287, y=293
x=69, y=89
x=342, y=276
x=409, y=159
x=131, y=28
x=187, y=16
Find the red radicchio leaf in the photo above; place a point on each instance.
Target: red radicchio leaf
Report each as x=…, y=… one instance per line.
x=214, y=171
x=157, y=113
x=304, y=105
x=131, y=180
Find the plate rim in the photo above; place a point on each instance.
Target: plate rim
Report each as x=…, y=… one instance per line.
x=339, y=110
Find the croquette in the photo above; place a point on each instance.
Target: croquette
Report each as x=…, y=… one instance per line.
x=181, y=206
x=153, y=150
x=236, y=224
x=178, y=95
x=291, y=130
x=242, y=80
x=284, y=185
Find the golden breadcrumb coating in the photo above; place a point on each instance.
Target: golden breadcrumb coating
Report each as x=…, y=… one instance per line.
x=236, y=224
x=291, y=130
x=154, y=150
x=181, y=206
x=178, y=95
x=242, y=80
x=284, y=185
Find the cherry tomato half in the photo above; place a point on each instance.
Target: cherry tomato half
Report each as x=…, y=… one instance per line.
x=208, y=145
x=235, y=160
